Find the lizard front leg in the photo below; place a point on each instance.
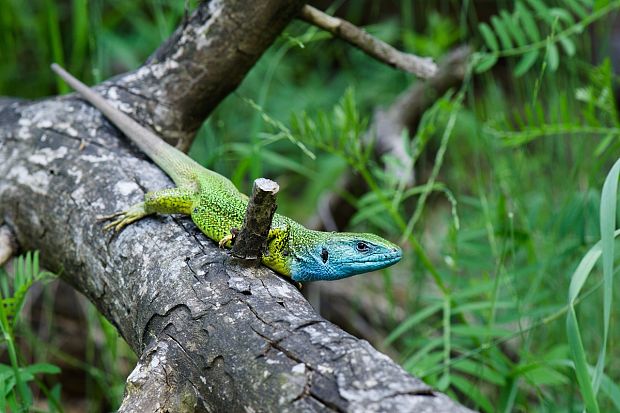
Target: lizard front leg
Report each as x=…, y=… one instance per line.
x=166, y=201
x=277, y=256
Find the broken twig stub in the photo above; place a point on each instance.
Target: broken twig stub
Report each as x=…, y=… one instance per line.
x=252, y=239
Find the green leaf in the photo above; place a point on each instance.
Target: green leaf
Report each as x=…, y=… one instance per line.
x=526, y=62
x=577, y=8
x=476, y=289
x=473, y=392
x=552, y=57
x=3, y=393
x=604, y=143
x=14, y=406
x=562, y=15
x=581, y=365
x=479, y=331
x=612, y=390
x=609, y=200
x=428, y=362
x=485, y=62
x=38, y=368
x=583, y=270
x=509, y=21
x=503, y=35
x=480, y=371
x=577, y=282
x=285, y=162
x=482, y=305
x=568, y=45
x=412, y=321
x=412, y=362
x=488, y=36
x=541, y=9
x=529, y=24
x=53, y=398
x=543, y=375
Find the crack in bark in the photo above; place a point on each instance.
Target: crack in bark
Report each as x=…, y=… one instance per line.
x=178, y=343
x=327, y=403
x=78, y=138
x=148, y=326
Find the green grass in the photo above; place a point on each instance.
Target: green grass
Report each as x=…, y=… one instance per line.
x=507, y=307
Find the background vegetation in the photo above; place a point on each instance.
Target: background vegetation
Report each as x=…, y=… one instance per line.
x=504, y=306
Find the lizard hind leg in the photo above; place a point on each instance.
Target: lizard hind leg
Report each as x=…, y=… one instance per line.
x=166, y=201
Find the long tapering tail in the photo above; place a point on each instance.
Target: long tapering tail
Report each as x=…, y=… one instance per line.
x=174, y=162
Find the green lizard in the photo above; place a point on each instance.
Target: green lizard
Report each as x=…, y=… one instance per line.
x=216, y=206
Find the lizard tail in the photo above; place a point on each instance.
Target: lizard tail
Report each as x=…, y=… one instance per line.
x=168, y=158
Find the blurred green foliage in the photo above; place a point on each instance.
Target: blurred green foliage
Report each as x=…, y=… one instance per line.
x=510, y=172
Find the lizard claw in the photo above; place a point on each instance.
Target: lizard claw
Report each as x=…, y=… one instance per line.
x=225, y=240
x=228, y=238
x=134, y=213
x=101, y=218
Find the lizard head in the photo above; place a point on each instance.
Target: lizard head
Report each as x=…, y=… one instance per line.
x=335, y=255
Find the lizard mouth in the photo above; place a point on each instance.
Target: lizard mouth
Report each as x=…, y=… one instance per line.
x=384, y=260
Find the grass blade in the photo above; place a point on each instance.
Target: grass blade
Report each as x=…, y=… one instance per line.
x=575, y=342
x=579, y=358
x=609, y=199
x=412, y=321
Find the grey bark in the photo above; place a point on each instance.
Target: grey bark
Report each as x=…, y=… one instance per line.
x=251, y=242
x=200, y=64
x=211, y=335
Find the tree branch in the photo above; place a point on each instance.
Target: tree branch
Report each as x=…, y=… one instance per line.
x=203, y=61
x=423, y=67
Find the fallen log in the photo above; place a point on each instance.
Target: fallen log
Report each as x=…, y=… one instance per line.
x=211, y=333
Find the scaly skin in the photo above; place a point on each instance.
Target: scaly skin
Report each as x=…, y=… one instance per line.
x=216, y=206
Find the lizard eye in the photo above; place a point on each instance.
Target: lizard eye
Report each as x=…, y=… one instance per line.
x=362, y=247
x=324, y=255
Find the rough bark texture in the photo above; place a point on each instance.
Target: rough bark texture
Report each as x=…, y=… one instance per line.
x=211, y=335
x=251, y=242
x=201, y=63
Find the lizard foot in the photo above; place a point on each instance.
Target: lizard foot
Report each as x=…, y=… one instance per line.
x=134, y=213
x=228, y=238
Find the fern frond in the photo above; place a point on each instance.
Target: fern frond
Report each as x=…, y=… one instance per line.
x=523, y=136
x=596, y=106
x=12, y=297
x=339, y=132
x=279, y=126
x=533, y=25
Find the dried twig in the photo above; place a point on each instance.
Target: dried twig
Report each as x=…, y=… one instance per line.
x=423, y=67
